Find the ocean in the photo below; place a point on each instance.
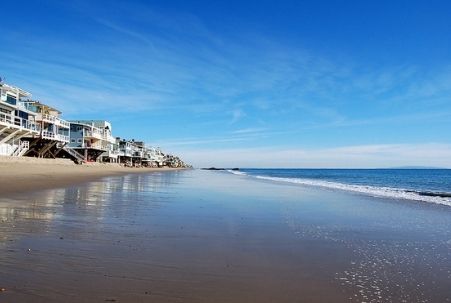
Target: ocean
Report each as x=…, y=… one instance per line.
x=427, y=185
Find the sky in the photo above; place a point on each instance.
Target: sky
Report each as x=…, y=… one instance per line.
x=343, y=84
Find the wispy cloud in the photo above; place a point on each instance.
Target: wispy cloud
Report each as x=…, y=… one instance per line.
x=234, y=137
x=250, y=130
x=360, y=156
x=125, y=31
x=173, y=67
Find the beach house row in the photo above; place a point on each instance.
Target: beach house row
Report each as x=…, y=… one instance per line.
x=31, y=128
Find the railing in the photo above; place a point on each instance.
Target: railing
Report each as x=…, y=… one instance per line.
x=105, y=147
x=113, y=153
x=109, y=138
x=48, y=135
x=126, y=153
x=5, y=118
x=63, y=138
x=94, y=133
x=30, y=125
x=91, y=145
x=19, y=122
x=97, y=132
x=55, y=120
x=21, y=149
x=53, y=136
x=49, y=118
x=64, y=123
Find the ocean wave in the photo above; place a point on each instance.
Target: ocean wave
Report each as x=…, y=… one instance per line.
x=236, y=172
x=385, y=192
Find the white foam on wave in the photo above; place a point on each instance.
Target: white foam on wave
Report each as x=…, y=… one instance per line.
x=385, y=192
x=236, y=172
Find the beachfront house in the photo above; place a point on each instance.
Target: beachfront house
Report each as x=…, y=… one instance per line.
x=108, y=142
x=135, y=153
x=54, y=131
x=16, y=121
x=132, y=153
x=138, y=151
x=126, y=149
x=155, y=156
x=172, y=161
x=87, y=138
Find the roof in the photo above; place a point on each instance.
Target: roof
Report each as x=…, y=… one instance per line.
x=14, y=88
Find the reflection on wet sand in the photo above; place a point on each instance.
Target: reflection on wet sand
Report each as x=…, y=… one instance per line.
x=67, y=232
x=93, y=195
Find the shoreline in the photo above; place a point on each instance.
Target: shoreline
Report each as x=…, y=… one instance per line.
x=19, y=175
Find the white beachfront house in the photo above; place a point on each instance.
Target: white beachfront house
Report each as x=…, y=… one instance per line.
x=126, y=150
x=54, y=131
x=131, y=152
x=138, y=152
x=93, y=140
x=16, y=121
x=109, y=143
x=155, y=156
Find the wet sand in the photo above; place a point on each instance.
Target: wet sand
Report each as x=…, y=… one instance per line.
x=30, y=174
x=200, y=236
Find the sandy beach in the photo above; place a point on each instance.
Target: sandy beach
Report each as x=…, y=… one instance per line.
x=201, y=236
x=29, y=174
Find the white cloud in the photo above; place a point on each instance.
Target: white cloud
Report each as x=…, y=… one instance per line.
x=360, y=156
x=250, y=130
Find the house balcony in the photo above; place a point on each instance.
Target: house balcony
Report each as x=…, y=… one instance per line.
x=56, y=137
x=55, y=120
x=113, y=153
x=64, y=138
x=138, y=154
x=19, y=123
x=62, y=123
x=95, y=145
x=109, y=138
x=17, y=105
x=94, y=133
x=126, y=153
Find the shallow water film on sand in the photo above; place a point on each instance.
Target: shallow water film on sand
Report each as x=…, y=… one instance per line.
x=203, y=236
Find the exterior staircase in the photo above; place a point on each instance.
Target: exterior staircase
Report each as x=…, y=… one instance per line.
x=21, y=149
x=77, y=157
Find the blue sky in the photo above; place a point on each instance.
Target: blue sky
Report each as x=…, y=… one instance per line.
x=236, y=83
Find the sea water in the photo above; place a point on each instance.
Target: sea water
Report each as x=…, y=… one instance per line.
x=427, y=185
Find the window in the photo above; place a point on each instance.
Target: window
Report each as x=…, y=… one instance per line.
x=11, y=100
x=79, y=140
x=21, y=114
x=72, y=140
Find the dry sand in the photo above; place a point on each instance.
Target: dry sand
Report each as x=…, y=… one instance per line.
x=29, y=174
